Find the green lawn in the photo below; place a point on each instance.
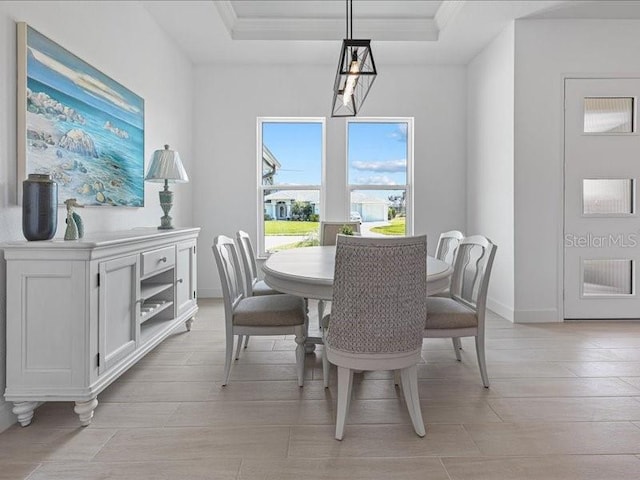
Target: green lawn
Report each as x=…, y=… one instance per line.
x=284, y=227
x=289, y=246
x=397, y=227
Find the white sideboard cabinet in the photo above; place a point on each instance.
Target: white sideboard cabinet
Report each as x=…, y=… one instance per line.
x=80, y=313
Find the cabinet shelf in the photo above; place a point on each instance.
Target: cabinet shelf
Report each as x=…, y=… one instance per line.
x=155, y=309
x=153, y=327
x=148, y=290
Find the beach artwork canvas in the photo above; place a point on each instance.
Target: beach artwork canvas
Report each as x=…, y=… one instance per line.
x=78, y=125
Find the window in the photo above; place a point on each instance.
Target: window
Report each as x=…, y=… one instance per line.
x=608, y=115
x=608, y=196
x=379, y=160
x=607, y=277
x=290, y=179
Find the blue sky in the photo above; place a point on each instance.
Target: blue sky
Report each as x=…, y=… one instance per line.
x=377, y=152
x=298, y=148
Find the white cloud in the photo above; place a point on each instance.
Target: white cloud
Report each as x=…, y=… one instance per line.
x=89, y=84
x=375, y=180
x=384, y=166
x=400, y=133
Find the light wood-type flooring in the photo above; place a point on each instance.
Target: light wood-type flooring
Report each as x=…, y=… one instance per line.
x=564, y=403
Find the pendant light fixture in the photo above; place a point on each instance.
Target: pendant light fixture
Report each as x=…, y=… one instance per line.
x=356, y=72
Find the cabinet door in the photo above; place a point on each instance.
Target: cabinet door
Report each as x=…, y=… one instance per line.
x=46, y=324
x=118, y=310
x=185, y=276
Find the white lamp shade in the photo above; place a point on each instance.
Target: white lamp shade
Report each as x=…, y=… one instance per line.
x=166, y=165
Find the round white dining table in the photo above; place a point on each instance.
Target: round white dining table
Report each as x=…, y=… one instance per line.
x=308, y=272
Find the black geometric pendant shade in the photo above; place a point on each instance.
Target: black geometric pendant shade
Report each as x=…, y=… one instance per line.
x=356, y=73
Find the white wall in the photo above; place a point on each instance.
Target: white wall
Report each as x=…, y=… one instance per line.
x=546, y=51
x=121, y=40
x=490, y=147
x=229, y=98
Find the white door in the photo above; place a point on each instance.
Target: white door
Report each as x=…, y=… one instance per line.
x=601, y=227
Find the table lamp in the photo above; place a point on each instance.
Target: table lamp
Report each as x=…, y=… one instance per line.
x=166, y=167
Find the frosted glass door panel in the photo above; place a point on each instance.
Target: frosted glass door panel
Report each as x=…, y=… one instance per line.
x=607, y=196
x=607, y=277
x=608, y=115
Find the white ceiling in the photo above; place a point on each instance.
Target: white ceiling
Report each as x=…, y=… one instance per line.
x=398, y=20
x=609, y=9
x=310, y=31
x=334, y=8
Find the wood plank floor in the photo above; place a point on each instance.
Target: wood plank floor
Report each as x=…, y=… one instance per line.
x=564, y=403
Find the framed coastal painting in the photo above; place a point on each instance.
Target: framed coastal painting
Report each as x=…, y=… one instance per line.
x=78, y=125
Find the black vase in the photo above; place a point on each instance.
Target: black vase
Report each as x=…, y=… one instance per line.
x=39, y=207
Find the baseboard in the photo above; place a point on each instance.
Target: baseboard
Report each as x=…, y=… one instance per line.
x=209, y=293
x=7, y=418
x=537, y=316
x=501, y=309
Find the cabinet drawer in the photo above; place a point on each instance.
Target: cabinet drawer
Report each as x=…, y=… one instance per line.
x=158, y=260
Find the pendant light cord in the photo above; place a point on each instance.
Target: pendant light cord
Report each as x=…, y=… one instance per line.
x=349, y=18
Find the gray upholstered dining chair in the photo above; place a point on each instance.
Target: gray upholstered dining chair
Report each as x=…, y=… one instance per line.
x=259, y=315
x=447, y=245
x=377, y=317
x=252, y=285
x=446, y=251
x=463, y=314
x=329, y=231
x=328, y=234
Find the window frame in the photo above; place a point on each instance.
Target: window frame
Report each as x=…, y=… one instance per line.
x=408, y=187
x=261, y=251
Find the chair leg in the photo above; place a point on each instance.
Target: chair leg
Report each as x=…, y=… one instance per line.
x=325, y=360
x=396, y=377
x=345, y=380
x=409, y=377
x=228, y=357
x=246, y=341
x=300, y=332
x=481, y=361
x=320, y=312
x=457, y=346
x=325, y=368
x=239, y=346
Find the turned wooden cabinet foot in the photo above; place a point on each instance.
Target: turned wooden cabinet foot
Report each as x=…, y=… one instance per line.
x=84, y=410
x=24, y=412
x=189, y=324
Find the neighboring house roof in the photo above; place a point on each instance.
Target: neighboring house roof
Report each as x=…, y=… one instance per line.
x=313, y=196
x=270, y=158
x=270, y=166
x=357, y=197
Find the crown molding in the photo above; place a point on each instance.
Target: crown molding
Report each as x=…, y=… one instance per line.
x=227, y=14
x=390, y=29
x=447, y=11
x=331, y=29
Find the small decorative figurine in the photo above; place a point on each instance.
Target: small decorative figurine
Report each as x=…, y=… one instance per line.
x=75, y=227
